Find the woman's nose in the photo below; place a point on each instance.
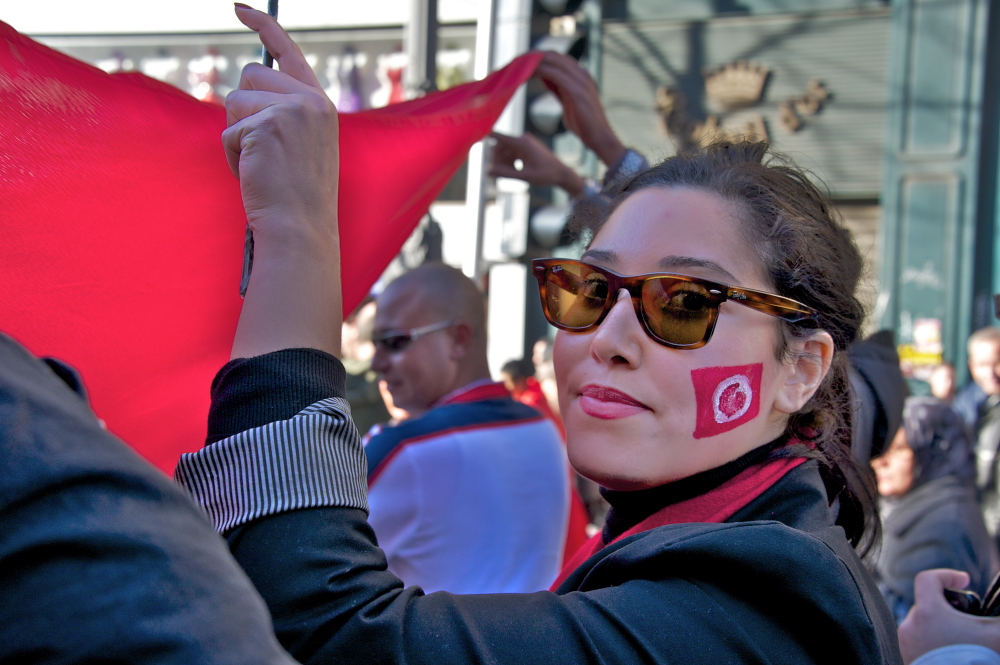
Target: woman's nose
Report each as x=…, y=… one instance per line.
x=619, y=338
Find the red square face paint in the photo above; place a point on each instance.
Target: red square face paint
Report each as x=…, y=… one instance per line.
x=726, y=397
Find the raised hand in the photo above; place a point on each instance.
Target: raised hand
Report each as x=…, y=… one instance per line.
x=538, y=165
x=282, y=144
x=583, y=113
x=282, y=136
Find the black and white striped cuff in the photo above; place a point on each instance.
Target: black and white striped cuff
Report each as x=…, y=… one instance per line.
x=314, y=459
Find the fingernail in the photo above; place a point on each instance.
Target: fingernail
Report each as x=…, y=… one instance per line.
x=240, y=4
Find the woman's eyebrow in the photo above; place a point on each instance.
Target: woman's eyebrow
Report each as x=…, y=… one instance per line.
x=672, y=262
x=602, y=255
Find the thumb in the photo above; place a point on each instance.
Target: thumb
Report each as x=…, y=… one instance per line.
x=929, y=585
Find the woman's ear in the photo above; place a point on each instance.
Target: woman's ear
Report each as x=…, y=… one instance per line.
x=810, y=361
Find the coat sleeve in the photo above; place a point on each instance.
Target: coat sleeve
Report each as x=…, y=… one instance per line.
x=290, y=496
x=102, y=558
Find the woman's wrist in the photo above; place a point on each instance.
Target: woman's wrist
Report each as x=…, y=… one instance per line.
x=572, y=183
x=609, y=149
x=294, y=296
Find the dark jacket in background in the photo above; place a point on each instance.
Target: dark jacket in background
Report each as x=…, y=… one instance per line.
x=102, y=558
x=937, y=522
x=937, y=525
x=970, y=403
x=878, y=390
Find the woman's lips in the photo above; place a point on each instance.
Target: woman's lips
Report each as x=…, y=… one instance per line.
x=608, y=404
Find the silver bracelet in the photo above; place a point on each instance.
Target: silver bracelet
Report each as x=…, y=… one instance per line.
x=630, y=164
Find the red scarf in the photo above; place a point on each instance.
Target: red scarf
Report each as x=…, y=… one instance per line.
x=123, y=227
x=714, y=506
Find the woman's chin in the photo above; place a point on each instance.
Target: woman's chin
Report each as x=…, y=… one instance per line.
x=613, y=464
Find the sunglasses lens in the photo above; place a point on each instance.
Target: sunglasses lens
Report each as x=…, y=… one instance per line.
x=395, y=342
x=575, y=295
x=677, y=311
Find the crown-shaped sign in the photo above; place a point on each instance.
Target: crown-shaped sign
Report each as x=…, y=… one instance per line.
x=736, y=84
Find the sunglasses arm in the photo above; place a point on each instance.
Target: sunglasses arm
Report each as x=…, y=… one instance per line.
x=770, y=303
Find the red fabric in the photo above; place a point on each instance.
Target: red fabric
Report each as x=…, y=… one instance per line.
x=492, y=390
x=123, y=227
x=726, y=397
x=533, y=396
x=715, y=506
x=579, y=518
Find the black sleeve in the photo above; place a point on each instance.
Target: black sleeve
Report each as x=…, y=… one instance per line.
x=749, y=594
x=250, y=392
x=102, y=558
x=950, y=535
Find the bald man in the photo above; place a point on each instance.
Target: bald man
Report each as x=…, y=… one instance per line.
x=470, y=495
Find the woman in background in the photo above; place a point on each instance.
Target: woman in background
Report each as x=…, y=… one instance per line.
x=931, y=518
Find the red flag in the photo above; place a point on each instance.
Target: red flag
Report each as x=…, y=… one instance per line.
x=121, y=226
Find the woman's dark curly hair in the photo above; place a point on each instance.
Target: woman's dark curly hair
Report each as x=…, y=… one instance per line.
x=808, y=255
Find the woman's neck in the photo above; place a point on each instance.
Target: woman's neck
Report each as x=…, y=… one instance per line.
x=630, y=508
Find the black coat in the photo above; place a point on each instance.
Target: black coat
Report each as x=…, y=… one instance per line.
x=786, y=590
x=936, y=525
x=778, y=583
x=102, y=558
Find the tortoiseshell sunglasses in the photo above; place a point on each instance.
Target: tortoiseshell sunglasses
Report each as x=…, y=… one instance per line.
x=676, y=310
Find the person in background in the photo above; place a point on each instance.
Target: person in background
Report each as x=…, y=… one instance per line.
x=979, y=405
x=589, y=491
x=367, y=406
x=942, y=382
x=931, y=518
x=935, y=633
x=539, y=350
x=524, y=388
x=396, y=414
x=984, y=366
x=519, y=378
x=541, y=357
x=583, y=115
x=878, y=390
x=470, y=493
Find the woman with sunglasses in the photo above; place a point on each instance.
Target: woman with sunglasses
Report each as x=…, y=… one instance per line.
x=701, y=376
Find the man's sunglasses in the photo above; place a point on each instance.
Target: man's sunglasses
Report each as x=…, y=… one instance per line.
x=676, y=310
x=395, y=341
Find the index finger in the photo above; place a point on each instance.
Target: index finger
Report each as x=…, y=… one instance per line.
x=278, y=44
x=561, y=69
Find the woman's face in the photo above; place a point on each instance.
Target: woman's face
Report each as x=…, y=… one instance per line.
x=894, y=467
x=639, y=414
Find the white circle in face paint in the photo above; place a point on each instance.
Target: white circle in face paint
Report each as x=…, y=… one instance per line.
x=731, y=399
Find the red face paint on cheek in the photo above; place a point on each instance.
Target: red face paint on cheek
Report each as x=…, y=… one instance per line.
x=726, y=397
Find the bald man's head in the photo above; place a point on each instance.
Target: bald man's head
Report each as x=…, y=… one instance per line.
x=446, y=291
x=450, y=355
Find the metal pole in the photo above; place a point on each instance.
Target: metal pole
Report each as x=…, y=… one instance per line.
x=476, y=182
x=420, y=76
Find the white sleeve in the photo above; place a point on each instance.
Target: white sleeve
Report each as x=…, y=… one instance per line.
x=959, y=654
x=395, y=499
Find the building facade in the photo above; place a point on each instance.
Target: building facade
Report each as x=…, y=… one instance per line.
x=893, y=106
